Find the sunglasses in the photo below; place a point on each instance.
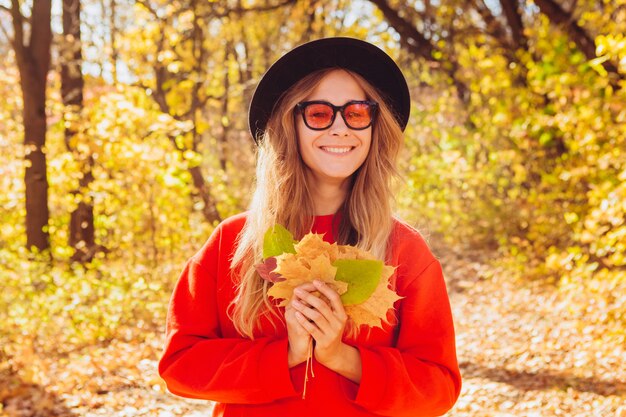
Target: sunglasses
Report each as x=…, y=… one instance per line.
x=320, y=115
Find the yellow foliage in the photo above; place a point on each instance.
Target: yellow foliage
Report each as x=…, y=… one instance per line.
x=531, y=164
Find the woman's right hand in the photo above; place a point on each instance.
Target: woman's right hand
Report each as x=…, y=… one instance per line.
x=299, y=338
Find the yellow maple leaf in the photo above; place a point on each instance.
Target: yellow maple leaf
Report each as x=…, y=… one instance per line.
x=312, y=245
x=352, y=252
x=298, y=269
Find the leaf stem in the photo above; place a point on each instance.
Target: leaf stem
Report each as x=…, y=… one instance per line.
x=309, y=366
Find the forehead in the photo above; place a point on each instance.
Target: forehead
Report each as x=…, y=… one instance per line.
x=337, y=87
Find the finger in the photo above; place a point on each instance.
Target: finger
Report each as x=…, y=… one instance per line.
x=303, y=289
x=293, y=324
x=315, y=302
x=333, y=297
x=310, y=327
x=327, y=328
x=310, y=313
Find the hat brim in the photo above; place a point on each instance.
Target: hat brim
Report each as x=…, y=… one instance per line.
x=361, y=57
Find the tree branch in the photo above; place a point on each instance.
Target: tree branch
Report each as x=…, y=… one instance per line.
x=514, y=19
x=420, y=46
x=560, y=17
x=18, y=29
x=415, y=41
x=148, y=8
x=241, y=10
x=493, y=26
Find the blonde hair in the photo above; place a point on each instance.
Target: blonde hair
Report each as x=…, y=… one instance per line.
x=282, y=196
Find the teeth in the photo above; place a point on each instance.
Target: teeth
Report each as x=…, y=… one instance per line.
x=336, y=150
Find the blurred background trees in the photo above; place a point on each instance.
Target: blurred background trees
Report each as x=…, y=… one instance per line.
x=517, y=143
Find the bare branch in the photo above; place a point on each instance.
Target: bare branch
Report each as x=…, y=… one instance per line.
x=412, y=38
x=419, y=45
x=514, y=19
x=493, y=26
x=18, y=31
x=148, y=7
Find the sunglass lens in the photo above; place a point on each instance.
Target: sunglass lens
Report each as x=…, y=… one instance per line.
x=318, y=115
x=358, y=115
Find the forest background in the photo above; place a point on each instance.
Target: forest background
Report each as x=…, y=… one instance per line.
x=123, y=142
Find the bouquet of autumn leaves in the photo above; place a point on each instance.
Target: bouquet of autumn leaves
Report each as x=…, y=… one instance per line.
x=358, y=277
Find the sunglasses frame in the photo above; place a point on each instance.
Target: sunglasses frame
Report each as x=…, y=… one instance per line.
x=373, y=111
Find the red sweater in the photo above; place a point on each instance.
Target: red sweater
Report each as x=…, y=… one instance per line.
x=408, y=368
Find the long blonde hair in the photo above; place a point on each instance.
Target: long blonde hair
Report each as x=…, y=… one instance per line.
x=282, y=196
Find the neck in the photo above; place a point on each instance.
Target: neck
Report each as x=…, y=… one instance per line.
x=328, y=197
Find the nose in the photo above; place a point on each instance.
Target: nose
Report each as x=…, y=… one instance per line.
x=339, y=127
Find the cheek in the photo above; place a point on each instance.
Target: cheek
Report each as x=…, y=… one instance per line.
x=367, y=143
x=303, y=140
x=299, y=133
x=300, y=137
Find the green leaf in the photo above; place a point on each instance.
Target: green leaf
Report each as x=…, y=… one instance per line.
x=277, y=240
x=545, y=138
x=362, y=276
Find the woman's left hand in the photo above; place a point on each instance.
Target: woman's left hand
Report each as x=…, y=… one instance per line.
x=324, y=322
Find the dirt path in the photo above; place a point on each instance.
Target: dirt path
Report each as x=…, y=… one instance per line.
x=522, y=353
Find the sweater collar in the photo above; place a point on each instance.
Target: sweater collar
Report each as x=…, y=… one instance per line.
x=328, y=225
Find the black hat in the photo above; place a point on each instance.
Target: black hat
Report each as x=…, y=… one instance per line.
x=361, y=57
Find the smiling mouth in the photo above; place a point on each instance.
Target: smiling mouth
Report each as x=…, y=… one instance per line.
x=337, y=149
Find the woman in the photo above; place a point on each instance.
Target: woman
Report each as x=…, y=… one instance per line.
x=328, y=119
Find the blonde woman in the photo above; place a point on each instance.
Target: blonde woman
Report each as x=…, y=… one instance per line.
x=328, y=119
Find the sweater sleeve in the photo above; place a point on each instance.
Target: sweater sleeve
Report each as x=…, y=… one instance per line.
x=199, y=363
x=420, y=375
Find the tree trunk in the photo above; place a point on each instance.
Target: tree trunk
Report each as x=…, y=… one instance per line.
x=210, y=209
x=35, y=176
x=222, y=145
x=33, y=61
x=82, y=230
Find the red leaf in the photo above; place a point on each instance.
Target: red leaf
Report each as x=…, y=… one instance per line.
x=265, y=270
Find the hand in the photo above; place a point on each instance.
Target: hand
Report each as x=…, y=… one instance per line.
x=323, y=321
x=299, y=338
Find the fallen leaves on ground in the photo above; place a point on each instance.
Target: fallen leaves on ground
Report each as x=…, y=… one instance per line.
x=118, y=378
x=522, y=352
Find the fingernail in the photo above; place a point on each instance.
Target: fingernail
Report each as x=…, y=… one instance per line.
x=318, y=282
